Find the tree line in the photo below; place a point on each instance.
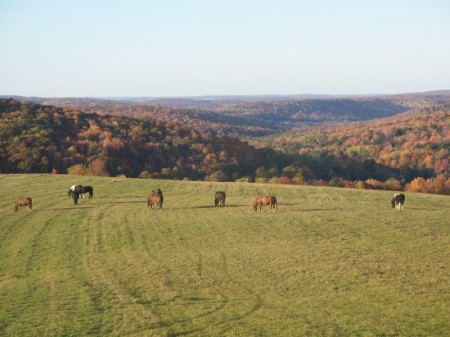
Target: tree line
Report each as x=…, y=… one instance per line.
x=37, y=138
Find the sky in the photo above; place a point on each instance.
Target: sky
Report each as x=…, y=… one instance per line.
x=172, y=48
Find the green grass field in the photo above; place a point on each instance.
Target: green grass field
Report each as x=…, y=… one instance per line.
x=329, y=262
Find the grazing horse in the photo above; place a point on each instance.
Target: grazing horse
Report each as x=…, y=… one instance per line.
x=23, y=202
x=81, y=189
x=265, y=200
x=156, y=198
x=219, y=198
x=398, y=200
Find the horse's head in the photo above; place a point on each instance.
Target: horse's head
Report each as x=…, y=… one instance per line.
x=393, y=202
x=157, y=191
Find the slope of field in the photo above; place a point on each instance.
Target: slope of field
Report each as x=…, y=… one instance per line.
x=329, y=262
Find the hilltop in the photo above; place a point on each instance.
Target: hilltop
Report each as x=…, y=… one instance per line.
x=253, y=116
x=318, y=266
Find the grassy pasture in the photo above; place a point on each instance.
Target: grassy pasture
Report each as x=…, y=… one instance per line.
x=329, y=262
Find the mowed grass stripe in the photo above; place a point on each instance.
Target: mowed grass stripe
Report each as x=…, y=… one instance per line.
x=328, y=262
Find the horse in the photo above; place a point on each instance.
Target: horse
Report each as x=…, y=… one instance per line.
x=398, y=200
x=265, y=200
x=219, y=198
x=23, y=202
x=156, y=198
x=81, y=189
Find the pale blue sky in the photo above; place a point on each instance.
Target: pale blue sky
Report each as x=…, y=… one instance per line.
x=107, y=48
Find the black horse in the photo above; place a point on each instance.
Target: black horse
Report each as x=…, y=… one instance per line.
x=80, y=189
x=398, y=200
x=219, y=198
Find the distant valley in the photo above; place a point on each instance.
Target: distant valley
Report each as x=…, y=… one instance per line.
x=306, y=139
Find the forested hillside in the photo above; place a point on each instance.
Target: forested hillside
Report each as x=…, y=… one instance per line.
x=386, y=153
x=252, y=116
x=255, y=118
x=38, y=138
x=246, y=119
x=416, y=143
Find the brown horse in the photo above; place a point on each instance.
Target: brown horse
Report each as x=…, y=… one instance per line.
x=262, y=200
x=156, y=198
x=22, y=202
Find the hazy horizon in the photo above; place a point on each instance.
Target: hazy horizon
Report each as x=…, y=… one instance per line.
x=198, y=48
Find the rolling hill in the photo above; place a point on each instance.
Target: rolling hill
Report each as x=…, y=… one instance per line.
x=417, y=140
x=39, y=138
x=253, y=116
x=299, y=141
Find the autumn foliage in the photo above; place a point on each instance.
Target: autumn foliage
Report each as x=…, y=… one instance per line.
x=408, y=151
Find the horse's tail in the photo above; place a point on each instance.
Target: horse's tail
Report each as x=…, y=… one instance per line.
x=273, y=202
x=30, y=203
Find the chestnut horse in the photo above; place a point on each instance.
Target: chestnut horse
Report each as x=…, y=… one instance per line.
x=262, y=200
x=156, y=198
x=22, y=202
